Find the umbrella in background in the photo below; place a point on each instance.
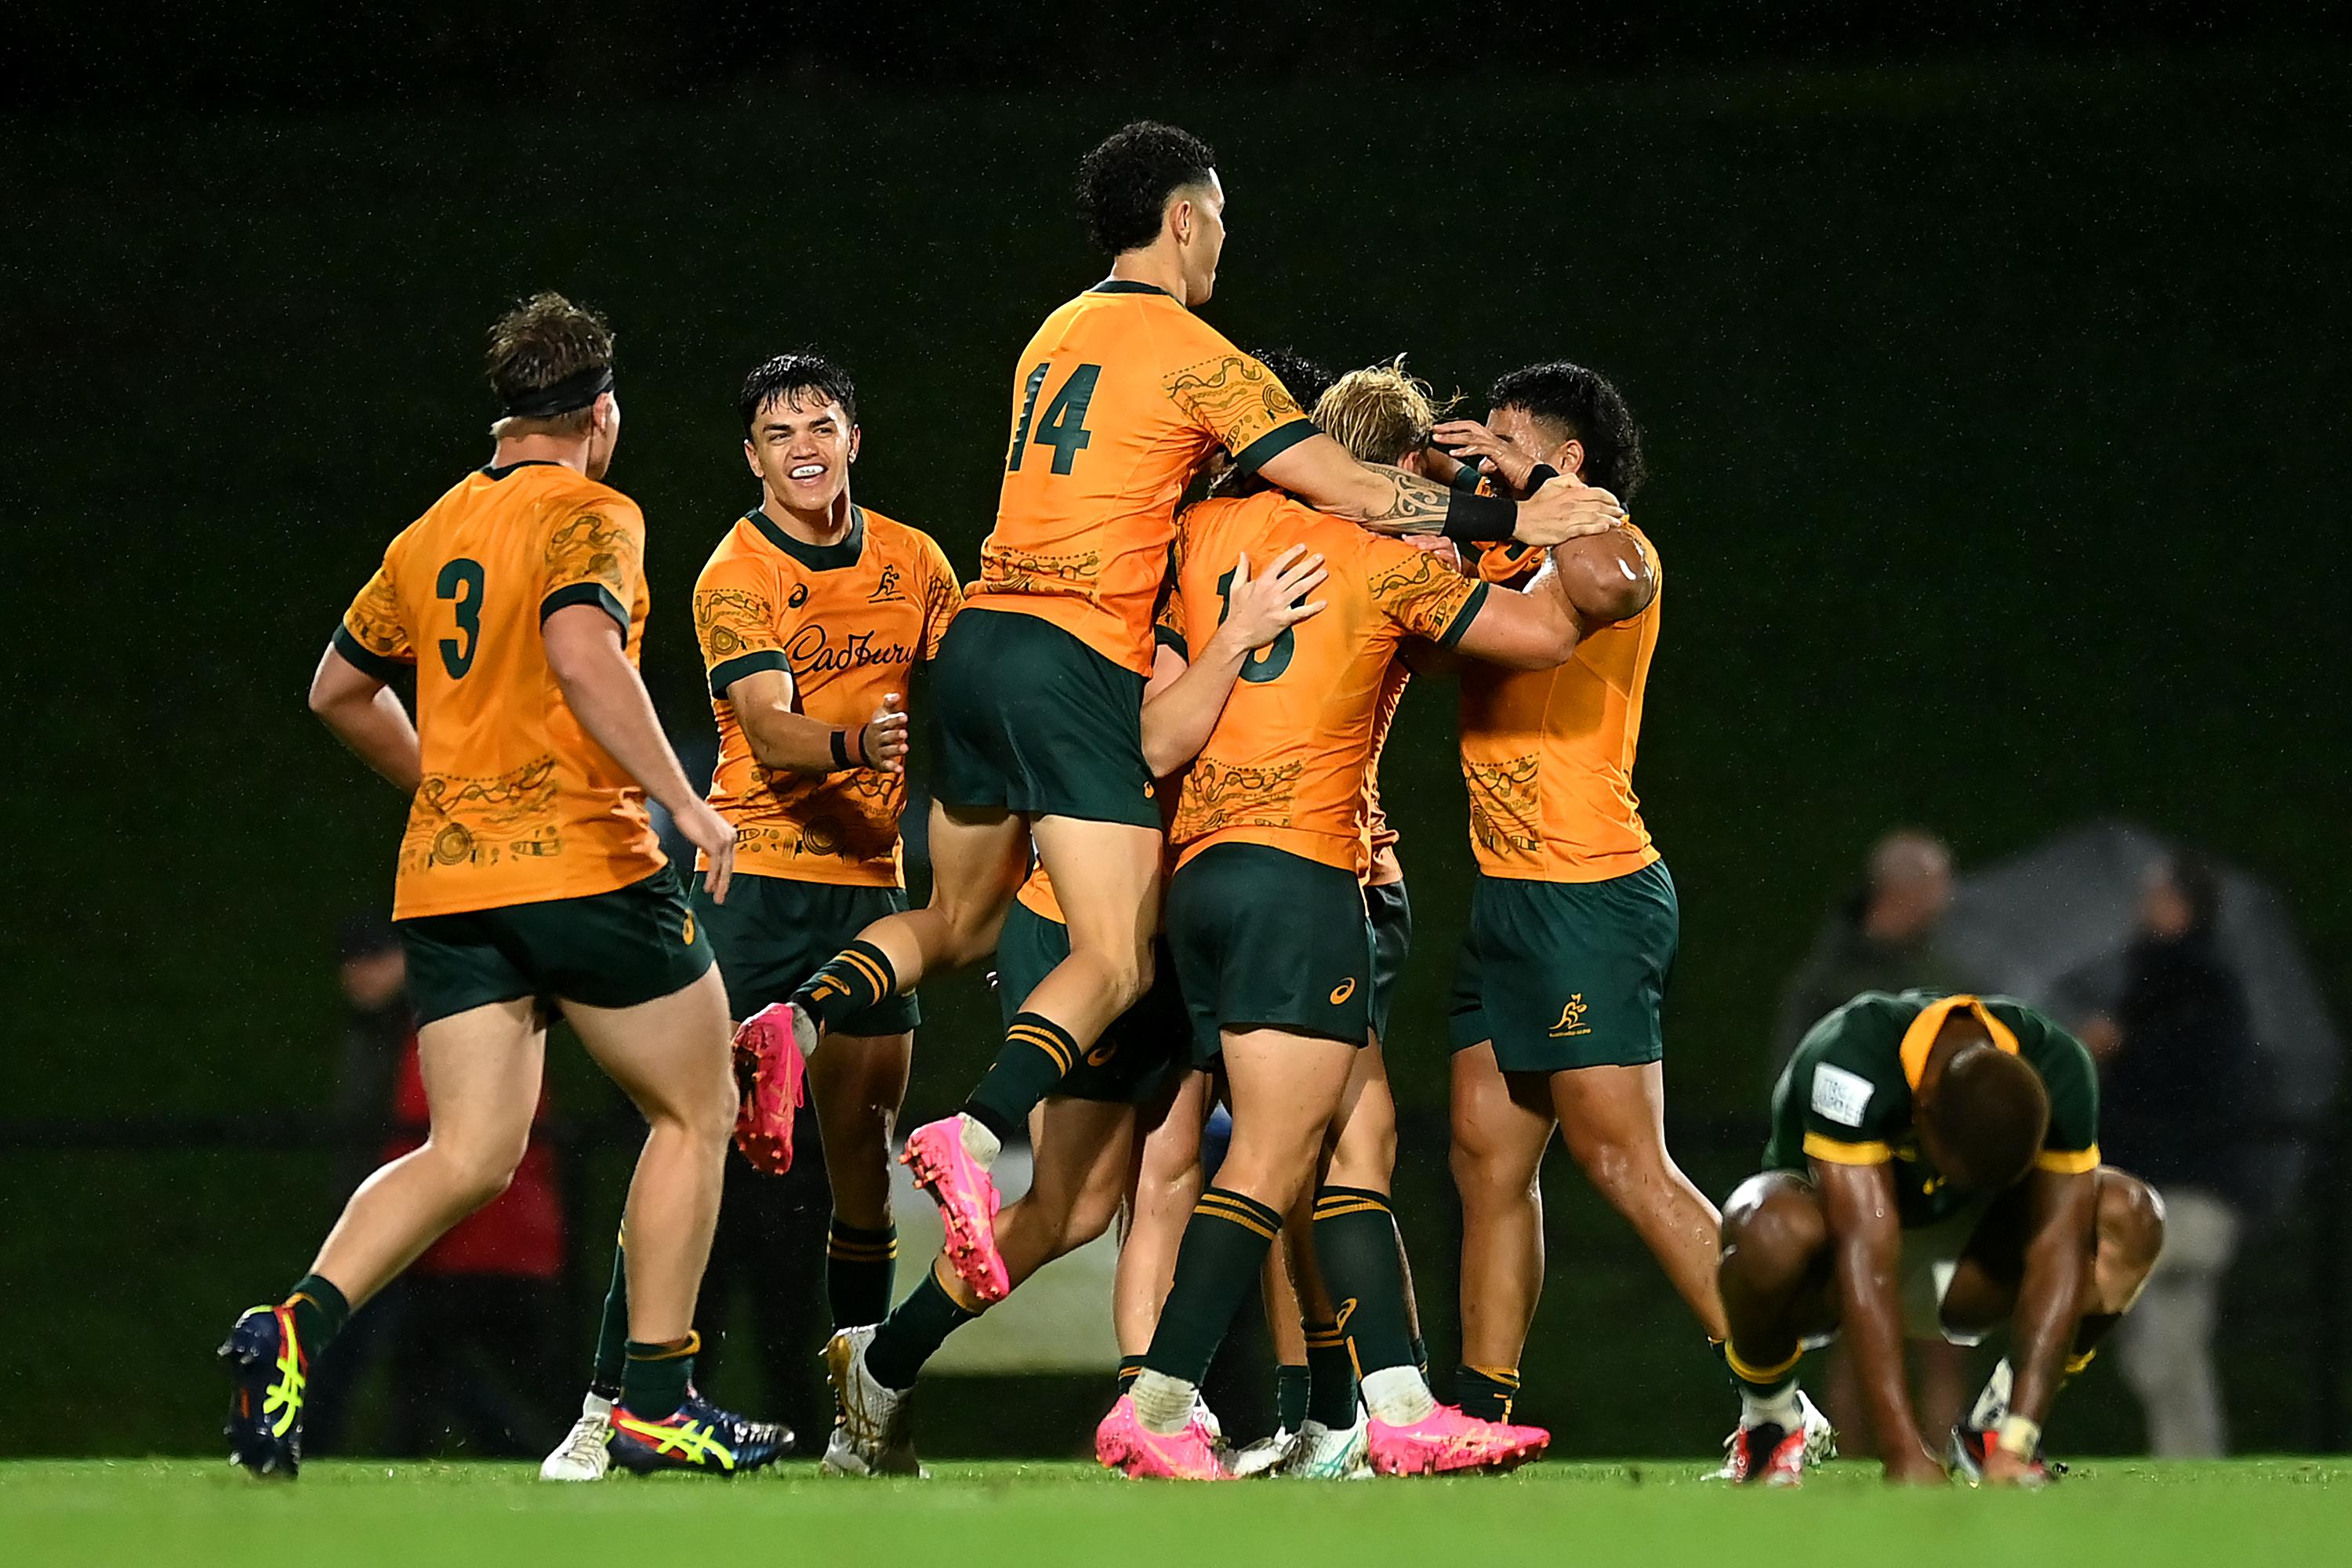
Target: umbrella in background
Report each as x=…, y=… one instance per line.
x=2050, y=926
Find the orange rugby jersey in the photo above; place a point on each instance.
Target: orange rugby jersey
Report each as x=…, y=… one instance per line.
x=518, y=804
x=848, y=623
x=1116, y=401
x=1287, y=763
x=1548, y=755
x=1378, y=836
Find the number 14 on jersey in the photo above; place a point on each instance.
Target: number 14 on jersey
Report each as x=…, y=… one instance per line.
x=1064, y=428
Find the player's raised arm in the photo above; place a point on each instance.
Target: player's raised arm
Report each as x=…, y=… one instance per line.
x=1865, y=1249
x=1188, y=692
x=603, y=689
x=1319, y=471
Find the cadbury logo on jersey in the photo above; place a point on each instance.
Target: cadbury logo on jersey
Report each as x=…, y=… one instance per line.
x=813, y=650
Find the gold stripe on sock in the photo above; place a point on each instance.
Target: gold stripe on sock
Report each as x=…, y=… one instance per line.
x=693, y=1344
x=871, y=970
x=1747, y=1372
x=2076, y=1365
x=1031, y=1034
x=1242, y=1217
x=1505, y=1374
x=1336, y=1210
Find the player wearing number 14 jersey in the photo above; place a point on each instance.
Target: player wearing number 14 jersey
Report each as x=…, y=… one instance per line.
x=529, y=876
x=1117, y=401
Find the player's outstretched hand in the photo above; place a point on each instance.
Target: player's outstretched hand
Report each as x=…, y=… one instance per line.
x=883, y=741
x=1911, y=1465
x=1565, y=509
x=1470, y=441
x=715, y=836
x=1261, y=608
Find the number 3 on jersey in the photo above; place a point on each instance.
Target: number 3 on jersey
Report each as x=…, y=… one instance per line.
x=1268, y=662
x=461, y=584
x=1065, y=429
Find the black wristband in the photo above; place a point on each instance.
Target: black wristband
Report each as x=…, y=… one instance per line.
x=1479, y=520
x=841, y=750
x=1540, y=475
x=1467, y=476
x=864, y=757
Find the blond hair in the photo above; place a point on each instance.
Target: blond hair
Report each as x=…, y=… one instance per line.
x=1380, y=413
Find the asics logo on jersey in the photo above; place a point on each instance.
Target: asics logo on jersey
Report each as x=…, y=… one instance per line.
x=1572, y=1018
x=797, y=597
x=1342, y=991
x=813, y=651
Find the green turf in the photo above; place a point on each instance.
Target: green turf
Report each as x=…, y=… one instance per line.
x=131, y=1513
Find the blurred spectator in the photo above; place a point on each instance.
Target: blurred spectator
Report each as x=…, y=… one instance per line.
x=1882, y=938
x=470, y=1335
x=2176, y=1053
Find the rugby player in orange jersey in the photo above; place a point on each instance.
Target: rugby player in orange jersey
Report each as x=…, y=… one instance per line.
x=529, y=877
x=812, y=613
x=1267, y=923
x=1573, y=922
x=1116, y=401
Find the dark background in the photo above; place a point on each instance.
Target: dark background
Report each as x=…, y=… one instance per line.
x=1992, y=376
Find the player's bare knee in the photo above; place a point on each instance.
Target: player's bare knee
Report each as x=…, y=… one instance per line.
x=2130, y=1223
x=1773, y=1229
x=480, y=1166
x=1618, y=1168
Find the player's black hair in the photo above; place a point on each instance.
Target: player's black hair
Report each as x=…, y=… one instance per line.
x=1124, y=184
x=788, y=374
x=1991, y=1111
x=1304, y=380
x=1584, y=406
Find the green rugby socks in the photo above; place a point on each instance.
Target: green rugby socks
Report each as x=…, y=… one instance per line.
x=1486, y=1392
x=913, y=1333
x=1217, y=1267
x=859, y=977
x=1355, y=1244
x=859, y=1265
x=1036, y=1054
x=1768, y=1391
x=652, y=1385
x=612, y=1330
x=1130, y=1367
x=1290, y=1389
x=320, y=1313
x=1330, y=1378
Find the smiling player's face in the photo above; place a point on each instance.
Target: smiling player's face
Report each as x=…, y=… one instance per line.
x=801, y=449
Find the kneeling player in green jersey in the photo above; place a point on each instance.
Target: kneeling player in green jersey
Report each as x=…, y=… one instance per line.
x=1934, y=1166
x=1129, y=1105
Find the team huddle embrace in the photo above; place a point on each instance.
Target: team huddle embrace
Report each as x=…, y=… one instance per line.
x=1152, y=732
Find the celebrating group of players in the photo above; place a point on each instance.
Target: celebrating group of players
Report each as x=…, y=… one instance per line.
x=1153, y=732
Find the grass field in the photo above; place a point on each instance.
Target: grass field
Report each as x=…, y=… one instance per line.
x=131, y=1513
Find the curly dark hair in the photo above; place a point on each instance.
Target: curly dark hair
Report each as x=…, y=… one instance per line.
x=1586, y=408
x=1304, y=380
x=540, y=341
x=1124, y=184
x=788, y=374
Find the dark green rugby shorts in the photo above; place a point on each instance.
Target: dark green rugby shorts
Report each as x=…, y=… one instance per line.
x=1027, y=718
x=1567, y=974
x=1392, y=916
x=773, y=933
x=1143, y=1047
x=632, y=945
x=1265, y=939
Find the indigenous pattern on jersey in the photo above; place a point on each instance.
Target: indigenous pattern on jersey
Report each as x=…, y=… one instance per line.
x=1846, y=1095
x=1380, y=838
x=1116, y=401
x=846, y=623
x=518, y=804
x=1547, y=754
x=1288, y=762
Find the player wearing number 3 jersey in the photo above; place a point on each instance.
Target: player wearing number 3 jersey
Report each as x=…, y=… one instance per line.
x=1116, y=403
x=530, y=878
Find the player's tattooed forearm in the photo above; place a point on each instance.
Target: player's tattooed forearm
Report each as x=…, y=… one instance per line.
x=1234, y=396
x=728, y=622
x=1414, y=505
x=592, y=548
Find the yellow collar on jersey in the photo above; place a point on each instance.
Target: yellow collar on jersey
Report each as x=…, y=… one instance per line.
x=1920, y=1037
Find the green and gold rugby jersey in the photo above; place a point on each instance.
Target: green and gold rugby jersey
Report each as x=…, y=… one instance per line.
x=1845, y=1096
